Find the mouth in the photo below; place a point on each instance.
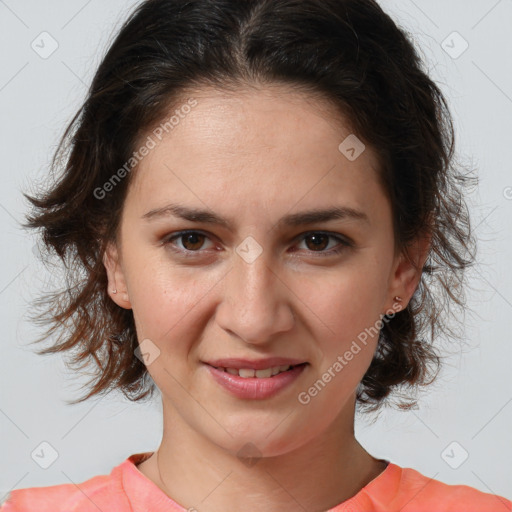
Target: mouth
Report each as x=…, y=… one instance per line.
x=265, y=373
x=255, y=380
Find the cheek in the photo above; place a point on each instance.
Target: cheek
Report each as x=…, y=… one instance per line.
x=348, y=323
x=166, y=298
x=345, y=303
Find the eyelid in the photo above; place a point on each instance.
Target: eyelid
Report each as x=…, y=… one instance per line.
x=168, y=239
x=338, y=236
x=344, y=241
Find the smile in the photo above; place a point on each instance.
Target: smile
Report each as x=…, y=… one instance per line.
x=255, y=384
x=248, y=373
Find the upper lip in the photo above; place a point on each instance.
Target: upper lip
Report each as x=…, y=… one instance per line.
x=255, y=364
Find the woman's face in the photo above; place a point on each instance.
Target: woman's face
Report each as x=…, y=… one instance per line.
x=268, y=281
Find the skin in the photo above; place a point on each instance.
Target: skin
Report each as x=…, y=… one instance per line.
x=254, y=156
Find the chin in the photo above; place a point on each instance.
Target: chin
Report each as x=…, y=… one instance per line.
x=251, y=439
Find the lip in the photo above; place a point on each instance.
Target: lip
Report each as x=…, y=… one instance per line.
x=254, y=388
x=255, y=364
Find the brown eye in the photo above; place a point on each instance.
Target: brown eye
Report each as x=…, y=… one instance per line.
x=191, y=241
x=319, y=241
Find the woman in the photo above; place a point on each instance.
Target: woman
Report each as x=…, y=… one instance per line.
x=258, y=202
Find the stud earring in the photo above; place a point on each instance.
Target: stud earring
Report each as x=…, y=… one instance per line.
x=114, y=291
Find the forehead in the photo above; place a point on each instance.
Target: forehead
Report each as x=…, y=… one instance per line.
x=261, y=147
x=249, y=119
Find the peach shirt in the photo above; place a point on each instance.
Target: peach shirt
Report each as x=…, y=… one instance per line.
x=126, y=489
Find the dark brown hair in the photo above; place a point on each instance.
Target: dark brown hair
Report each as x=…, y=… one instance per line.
x=347, y=51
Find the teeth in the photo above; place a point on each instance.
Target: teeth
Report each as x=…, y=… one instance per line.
x=248, y=373
x=264, y=373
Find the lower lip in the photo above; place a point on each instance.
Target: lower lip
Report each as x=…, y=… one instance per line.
x=254, y=388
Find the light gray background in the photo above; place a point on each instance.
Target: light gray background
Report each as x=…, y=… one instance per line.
x=471, y=401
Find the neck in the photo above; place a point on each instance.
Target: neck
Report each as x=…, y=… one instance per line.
x=316, y=476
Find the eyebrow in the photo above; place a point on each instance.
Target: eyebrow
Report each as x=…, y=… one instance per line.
x=294, y=219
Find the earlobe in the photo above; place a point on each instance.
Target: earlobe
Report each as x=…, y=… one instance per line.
x=408, y=271
x=116, y=288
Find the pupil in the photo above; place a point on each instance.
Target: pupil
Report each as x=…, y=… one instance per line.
x=316, y=242
x=192, y=236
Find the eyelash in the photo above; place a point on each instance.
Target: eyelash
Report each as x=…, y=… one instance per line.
x=344, y=244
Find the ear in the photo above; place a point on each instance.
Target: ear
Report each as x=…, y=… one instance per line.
x=117, y=288
x=407, y=271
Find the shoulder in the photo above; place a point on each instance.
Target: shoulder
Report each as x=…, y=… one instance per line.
x=409, y=490
x=101, y=492
x=90, y=495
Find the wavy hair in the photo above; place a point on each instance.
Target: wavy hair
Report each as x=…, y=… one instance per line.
x=348, y=52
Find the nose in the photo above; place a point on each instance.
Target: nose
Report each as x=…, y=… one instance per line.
x=256, y=303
